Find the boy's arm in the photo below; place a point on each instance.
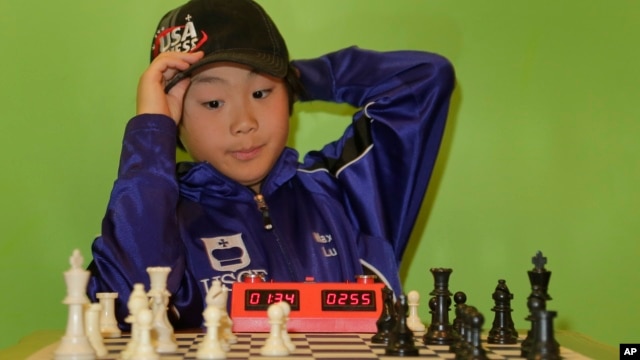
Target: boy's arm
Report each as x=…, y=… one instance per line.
x=384, y=159
x=140, y=227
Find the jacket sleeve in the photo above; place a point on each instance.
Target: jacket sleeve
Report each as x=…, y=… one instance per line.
x=140, y=227
x=386, y=156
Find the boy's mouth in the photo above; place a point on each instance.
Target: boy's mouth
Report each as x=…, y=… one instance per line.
x=247, y=154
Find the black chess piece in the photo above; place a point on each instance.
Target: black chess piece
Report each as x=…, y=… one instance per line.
x=545, y=346
x=503, y=330
x=539, y=276
x=476, y=351
x=387, y=320
x=459, y=298
x=470, y=347
x=535, y=303
x=401, y=340
x=440, y=331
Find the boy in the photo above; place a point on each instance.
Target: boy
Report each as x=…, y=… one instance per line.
x=220, y=81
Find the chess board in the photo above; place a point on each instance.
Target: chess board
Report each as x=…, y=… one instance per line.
x=318, y=346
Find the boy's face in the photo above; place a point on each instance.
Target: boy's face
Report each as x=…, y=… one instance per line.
x=237, y=120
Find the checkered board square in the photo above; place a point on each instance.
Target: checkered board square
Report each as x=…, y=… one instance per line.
x=319, y=346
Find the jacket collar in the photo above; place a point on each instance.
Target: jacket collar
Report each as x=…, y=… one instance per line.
x=198, y=179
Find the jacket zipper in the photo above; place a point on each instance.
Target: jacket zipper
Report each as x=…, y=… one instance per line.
x=268, y=225
x=264, y=209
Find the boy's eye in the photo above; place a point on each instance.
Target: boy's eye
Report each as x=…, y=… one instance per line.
x=214, y=104
x=261, y=94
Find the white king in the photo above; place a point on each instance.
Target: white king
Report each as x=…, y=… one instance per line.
x=75, y=343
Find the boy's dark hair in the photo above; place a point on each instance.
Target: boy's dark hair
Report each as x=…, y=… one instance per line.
x=238, y=31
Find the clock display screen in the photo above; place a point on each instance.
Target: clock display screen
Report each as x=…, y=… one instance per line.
x=261, y=299
x=349, y=300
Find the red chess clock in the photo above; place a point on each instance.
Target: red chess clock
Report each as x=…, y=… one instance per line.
x=315, y=307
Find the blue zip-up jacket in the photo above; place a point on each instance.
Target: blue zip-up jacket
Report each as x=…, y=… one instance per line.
x=349, y=206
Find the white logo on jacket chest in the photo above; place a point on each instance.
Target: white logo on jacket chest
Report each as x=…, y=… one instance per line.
x=326, y=239
x=227, y=253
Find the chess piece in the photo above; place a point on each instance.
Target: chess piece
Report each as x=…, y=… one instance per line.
x=144, y=349
x=440, y=331
x=545, y=345
x=475, y=349
x=286, y=310
x=539, y=276
x=138, y=301
x=274, y=345
x=535, y=303
x=75, y=344
x=159, y=295
x=217, y=296
x=401, y=338
x=503, y=330
x=387, y=320
x=413, y=320
x=460, y=299
x=108, y=323
x=210, y=348
x=92, y=328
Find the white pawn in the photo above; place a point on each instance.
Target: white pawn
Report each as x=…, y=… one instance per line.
x=413, y=319
x=92, y=328
x=274, y=345
x=211, y=348
x=144, y=349
x=137, y=302
x=108, y=323
x=286, y=309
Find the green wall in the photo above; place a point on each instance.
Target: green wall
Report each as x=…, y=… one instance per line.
x=541, y=152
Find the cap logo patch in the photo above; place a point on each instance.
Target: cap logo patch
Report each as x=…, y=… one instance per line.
x=182, y=38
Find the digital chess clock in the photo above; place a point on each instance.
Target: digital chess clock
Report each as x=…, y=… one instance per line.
x=315, y=306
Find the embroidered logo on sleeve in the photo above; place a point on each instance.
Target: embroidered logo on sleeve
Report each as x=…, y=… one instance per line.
x=227, y=253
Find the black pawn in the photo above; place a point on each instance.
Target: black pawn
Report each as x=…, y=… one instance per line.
x=503, y=330
x=401, y=340
x=460, y=299
x=545, y=346
x=535, y=302
x=387, y=320
x=440, y=331
x=471, y=347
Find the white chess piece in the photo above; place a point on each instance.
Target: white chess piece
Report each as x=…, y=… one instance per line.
x=227, y=332
x=108, y=323
x=211, y=348
x=137, y=301
x=144, y=349
x=218, y=296
x=286, y=309
x=274, y=345
x=92, y=329
x=159, y=295
x=413, y=319
x=75, y=344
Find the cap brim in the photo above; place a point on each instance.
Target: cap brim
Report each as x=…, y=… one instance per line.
x=261, y=62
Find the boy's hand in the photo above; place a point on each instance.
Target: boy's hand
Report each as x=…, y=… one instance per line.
x=151, y=96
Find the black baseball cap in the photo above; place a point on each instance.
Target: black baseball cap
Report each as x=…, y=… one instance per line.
x=238, y=31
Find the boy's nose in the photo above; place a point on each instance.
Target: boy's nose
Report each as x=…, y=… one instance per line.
x=244, y=122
